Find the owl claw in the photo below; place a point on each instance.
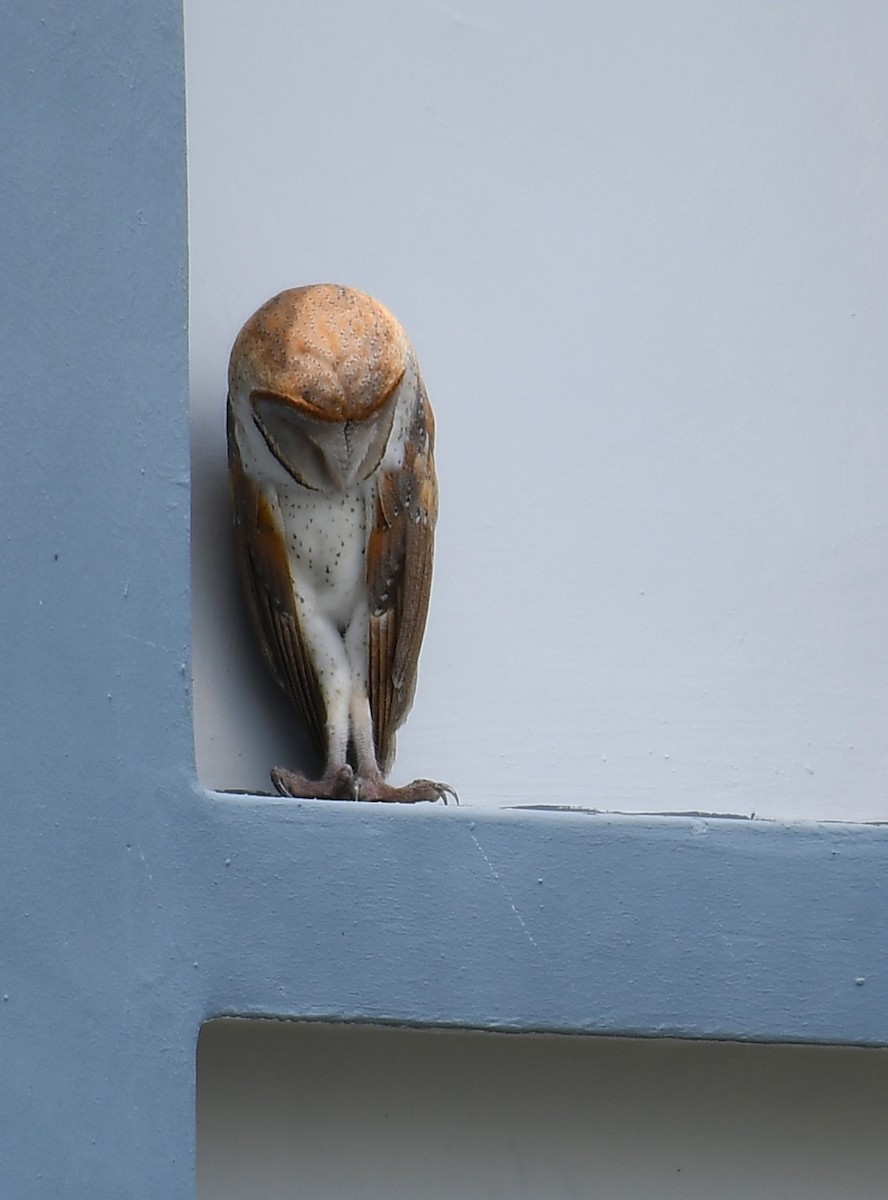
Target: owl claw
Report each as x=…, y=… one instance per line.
x=418, y=792
x=343, y=784
x=334, y=785
x=443, y=789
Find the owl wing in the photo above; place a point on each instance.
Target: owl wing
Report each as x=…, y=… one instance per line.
x=265, y=573
x=399, y=577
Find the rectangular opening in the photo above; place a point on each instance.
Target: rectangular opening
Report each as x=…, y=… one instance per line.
x=324, y=1112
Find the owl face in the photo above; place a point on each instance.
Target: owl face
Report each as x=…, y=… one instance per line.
x=322, y=454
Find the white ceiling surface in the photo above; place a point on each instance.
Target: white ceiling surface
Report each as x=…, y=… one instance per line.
x=287, y=1111
x=640, y=249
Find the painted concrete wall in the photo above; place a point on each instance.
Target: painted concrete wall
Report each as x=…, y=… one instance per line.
x=640, y=250
x=287, y=1112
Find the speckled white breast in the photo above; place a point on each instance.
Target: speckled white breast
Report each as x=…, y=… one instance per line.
x=327, y=547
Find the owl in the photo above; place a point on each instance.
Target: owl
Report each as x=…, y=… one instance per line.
x=331, y=460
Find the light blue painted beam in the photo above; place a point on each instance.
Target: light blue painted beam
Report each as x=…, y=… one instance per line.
x=697, y=927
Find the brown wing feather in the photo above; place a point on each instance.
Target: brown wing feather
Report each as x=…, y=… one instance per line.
x=399, y=576
x=265, y=572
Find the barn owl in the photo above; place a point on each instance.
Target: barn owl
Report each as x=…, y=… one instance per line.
x=331, y=458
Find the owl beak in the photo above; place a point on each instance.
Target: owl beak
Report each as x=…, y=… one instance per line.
x=352, y=450
x=340, y=470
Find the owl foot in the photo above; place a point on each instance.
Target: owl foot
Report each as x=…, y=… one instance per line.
x=333, y=785
x=419, y=791
x=343, y=784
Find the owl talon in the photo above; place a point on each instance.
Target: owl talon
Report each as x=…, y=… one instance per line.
x=343, y=784
x=418, y=792
x=335, y=785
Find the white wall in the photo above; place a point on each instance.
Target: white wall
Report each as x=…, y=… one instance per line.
x=640, y=249
x=302, y=1112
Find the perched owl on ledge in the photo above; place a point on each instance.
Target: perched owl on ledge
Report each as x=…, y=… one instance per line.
x=331, y=456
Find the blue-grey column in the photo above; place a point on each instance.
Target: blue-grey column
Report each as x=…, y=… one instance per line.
x=95, y=1041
